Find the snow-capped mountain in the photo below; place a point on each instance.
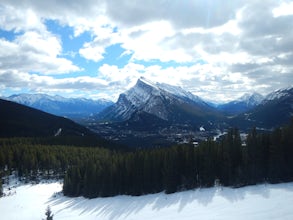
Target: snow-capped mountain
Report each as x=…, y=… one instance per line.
x=278, y=94
x=164, y=101
x=251, y=99
x=275, y=110
x=58, y=105
x=244, y=103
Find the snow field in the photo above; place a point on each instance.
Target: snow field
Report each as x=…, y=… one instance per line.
x=264, y=201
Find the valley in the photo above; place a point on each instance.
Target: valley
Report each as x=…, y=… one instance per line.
x=138, y=110
x=154, y=114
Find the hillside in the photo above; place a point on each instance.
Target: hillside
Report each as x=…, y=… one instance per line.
x=22, y=121
x=275, y=110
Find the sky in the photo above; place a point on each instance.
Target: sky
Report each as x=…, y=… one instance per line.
x=216, y=49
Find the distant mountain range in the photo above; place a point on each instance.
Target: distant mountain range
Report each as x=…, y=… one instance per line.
x=275, y=110
x=156, y=112
x=159, y=113
x=243, y=104
x=73, y=108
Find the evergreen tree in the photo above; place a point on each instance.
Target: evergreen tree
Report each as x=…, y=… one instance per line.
x=1, y=188
x=48, y=213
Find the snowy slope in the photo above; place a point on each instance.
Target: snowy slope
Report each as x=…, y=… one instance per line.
x=278, y=94
x=29, y=202
x=174, y=90
x=153, y=98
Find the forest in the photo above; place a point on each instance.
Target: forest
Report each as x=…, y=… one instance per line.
x=100, y=172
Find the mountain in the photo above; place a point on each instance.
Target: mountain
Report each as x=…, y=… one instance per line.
x=73, y=108
x=156, y=114
x=166, y=102
x=21, y=121
x=275, y=110
x=246, y=102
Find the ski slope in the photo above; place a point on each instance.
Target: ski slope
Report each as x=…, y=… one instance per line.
x=264, y=201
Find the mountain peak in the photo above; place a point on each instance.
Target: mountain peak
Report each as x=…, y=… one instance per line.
x=146, y=81
x=153, y=98
x=251, y=99
x=277, y=94
x=167, y=88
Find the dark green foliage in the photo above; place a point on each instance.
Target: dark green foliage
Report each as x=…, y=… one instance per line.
x=48, y=213
x=97, y=172
x=22, y=121
x=31, y=159
x=1, y=188
x=265, y=157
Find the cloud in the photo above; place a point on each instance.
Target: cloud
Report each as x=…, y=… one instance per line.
x=202, y=79
x=34, y=52
x=19, y=19
x=181, y=14
x=48, y=84
x=214, y=48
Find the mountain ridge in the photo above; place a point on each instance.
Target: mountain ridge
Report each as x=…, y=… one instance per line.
x=275, y=110
x=67, y=107
x=244, y=103
x=18, y=120
x=157, y=99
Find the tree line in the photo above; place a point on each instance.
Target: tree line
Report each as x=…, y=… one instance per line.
x=266, y=157
x=99, y=172
x=32, y=159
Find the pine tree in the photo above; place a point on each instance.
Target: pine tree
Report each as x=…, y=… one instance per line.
x=48, y=213
x=1, y=189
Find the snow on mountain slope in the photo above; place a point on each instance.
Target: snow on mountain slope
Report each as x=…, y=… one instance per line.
x=175, y=90
x=251, y=99
x=153, y=98
x=266, y=201
x=278, y=94
x=243, y=104
x=274, y=111
x=59, y=105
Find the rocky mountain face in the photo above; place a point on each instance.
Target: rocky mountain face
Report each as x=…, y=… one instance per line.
x=156, y=114
x=169, y=103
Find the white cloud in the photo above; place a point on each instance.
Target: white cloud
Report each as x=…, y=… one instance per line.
x=201, y=79
x=284, y=9
x=181, y=14
x=96, y=49
x=48, y=84
x=19, y=19
x=34, y=52
x=219, y=48
x=92, y=53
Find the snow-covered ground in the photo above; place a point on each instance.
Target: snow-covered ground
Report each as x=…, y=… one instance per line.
x=251, y=202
